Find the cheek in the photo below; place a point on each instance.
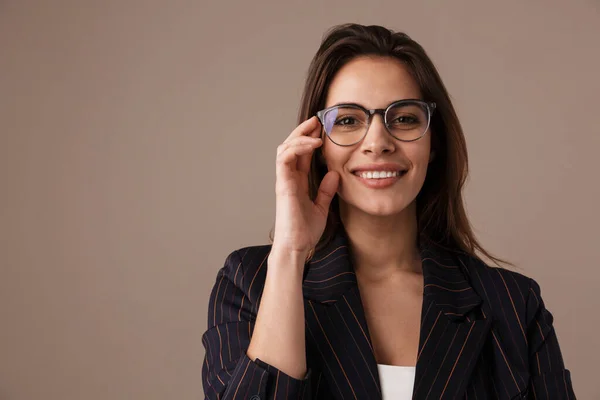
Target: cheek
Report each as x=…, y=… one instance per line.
x=419, y=155
x=335, y=157
x=421, y=159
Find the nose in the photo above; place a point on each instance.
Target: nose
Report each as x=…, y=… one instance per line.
x=377, y=139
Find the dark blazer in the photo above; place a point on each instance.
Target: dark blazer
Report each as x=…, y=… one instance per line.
x=485, y=333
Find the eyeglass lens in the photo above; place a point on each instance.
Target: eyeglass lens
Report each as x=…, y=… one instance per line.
x=347, y=125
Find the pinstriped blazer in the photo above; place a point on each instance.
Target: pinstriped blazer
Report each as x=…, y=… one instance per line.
x=485, y=333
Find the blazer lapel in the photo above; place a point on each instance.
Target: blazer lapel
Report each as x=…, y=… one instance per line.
x=453, y=328
x=336, y=325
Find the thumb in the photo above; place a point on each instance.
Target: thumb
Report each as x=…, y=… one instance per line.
x=327, y=190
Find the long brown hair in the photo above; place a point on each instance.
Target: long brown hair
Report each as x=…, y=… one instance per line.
x=441, y=215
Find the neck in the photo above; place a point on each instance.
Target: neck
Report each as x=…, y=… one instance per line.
x=382, y=246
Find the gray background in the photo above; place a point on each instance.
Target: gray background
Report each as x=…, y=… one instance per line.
x=137, y=148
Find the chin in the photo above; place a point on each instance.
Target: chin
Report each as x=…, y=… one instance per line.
x=379, y=208
x=383, y=211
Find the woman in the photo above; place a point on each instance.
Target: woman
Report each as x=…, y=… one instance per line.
x=393, y=302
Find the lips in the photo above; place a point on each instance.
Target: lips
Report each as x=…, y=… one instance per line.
x=381, y=167
x=379, y=183
x=379, y=174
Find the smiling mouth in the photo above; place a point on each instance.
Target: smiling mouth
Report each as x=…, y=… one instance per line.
x=374, y=175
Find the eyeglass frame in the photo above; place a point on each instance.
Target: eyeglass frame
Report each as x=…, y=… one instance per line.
x=430, y=106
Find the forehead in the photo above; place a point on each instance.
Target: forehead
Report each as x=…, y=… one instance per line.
x=373, y=82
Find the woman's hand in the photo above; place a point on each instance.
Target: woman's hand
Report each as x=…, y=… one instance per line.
x=300, y=222
x=278, y=337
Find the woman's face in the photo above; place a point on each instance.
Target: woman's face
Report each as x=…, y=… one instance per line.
x=376, y=82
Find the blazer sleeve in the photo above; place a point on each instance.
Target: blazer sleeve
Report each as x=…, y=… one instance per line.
x=227, y=372
x=549, y=378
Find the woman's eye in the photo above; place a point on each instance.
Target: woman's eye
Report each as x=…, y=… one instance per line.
x=345, y=121
x=405, y=119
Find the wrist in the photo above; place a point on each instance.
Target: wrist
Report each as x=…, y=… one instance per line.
x=280, y=249
x=284, y=258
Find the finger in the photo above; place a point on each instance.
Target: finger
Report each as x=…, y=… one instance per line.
x=316, y=132
x=306, y=128
x=304, y=161
x=327, y=189
x=300, y=140
x=287, y=160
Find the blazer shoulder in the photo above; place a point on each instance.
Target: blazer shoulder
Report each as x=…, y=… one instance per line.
x=246, y=268
x=485, y=275
x=499, y=287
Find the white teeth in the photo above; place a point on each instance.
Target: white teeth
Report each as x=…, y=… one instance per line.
x=378, y=174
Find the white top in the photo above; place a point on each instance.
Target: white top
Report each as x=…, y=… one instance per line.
x=396, y=382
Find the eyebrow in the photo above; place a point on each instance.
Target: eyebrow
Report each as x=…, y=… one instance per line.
x=348, y=103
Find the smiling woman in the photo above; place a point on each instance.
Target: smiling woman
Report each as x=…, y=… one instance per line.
x=393, y=138
x=373, y=287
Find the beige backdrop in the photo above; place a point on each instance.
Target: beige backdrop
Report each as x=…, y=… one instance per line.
x=137, y=150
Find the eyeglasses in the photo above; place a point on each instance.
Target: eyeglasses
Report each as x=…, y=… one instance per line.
x=406, y=120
